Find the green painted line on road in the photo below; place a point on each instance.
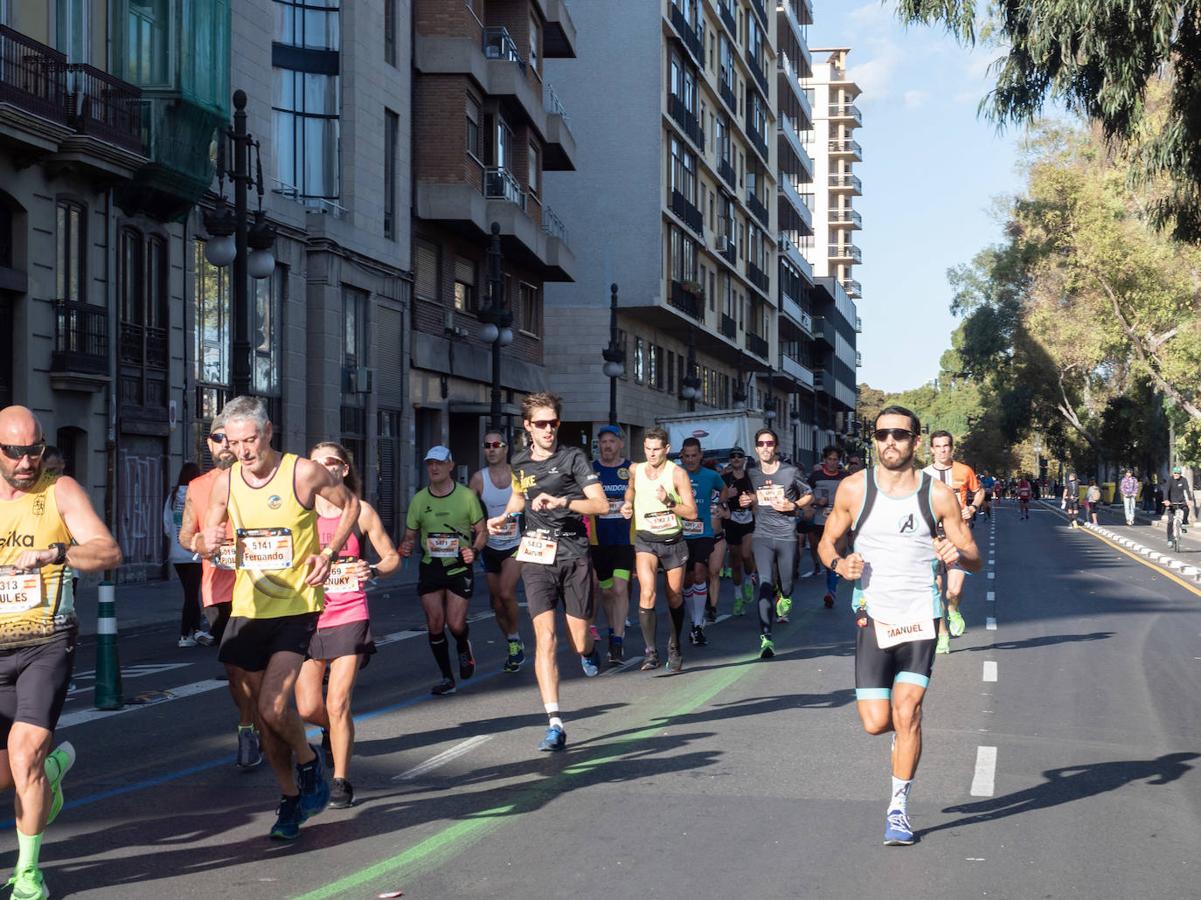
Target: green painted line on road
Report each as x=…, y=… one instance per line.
x=455, y=839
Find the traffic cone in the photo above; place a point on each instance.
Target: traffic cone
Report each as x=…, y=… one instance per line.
x=108, y=667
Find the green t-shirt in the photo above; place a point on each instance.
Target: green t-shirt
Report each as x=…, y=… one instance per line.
x=443, y=519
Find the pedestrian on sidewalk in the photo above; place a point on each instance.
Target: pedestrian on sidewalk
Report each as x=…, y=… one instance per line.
x=187, y=565
x=1092, y=499
x=1129, y=490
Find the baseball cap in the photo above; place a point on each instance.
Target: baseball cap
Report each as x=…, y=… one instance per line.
x=609, y=429
x=1176, y=470
x=438, y=453
x=737, y=449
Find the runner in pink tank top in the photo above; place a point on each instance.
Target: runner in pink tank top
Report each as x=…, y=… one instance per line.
x=342, y=643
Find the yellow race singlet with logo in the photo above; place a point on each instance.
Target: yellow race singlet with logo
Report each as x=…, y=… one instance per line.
x=274, y=535
x=34, y=606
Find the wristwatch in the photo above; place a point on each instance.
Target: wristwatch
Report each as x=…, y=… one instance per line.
x=834, y=565
x=329, y=552
x=61, y=550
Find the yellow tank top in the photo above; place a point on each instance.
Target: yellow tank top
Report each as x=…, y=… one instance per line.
x=652, y=519
x=275, y=534
x=34, y=606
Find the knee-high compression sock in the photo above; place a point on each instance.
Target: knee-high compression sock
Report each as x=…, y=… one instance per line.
x=700, y=599
x=677, y=624
x=441, y=653
x=767, y=608
x=646, y=618
x=689, y=590
x=29, y=848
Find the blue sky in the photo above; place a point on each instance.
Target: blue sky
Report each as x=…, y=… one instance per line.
x=932, y=169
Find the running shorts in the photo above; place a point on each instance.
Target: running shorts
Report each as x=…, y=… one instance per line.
x=671, y=555
x=220, y=620
x=612, y=561
x=34, y=682
x=434, y=577
x=876, y=670
x=570, y=579
x=495, y=559
x=699, y=550
x=351, y=639
x=250, y=643
x=735, y=532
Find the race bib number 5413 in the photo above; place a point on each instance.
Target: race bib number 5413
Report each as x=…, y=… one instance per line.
x=19, y=590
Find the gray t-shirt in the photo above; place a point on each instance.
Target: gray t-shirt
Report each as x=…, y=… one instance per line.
x=768, y=522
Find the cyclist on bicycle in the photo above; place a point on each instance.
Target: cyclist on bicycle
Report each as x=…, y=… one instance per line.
x=1178, y=495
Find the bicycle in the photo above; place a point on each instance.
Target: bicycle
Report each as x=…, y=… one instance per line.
x=1175, y=519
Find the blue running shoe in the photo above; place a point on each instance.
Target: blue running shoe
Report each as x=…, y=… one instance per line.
x=556, y=739
x=897, y=831
x=313, y=784
x=289, y=817
x=591, y=662
x=516, y=657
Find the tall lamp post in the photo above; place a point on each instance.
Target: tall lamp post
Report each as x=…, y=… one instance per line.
x=233, y=238
x=739, y=392
x=690, y=386
x=614, y=356
x=498, y=322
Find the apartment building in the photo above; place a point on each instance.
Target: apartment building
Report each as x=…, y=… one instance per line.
x=489, y=126
x=676, y=195
x=120, y=328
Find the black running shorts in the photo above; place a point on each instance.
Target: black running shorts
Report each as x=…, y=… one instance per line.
x=34, y=682
x=494, y=560
x=876, y=670
x=351, y=639
x=434, y=577
x=735, y=532
x=570, y=579
x=699, y=550
x=610, y=559
x=250, y=643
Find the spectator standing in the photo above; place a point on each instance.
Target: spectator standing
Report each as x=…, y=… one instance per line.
x=1128, y=487
x=187, y=565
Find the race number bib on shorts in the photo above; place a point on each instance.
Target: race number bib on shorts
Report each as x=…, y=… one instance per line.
x=661, y=522
x=693, y=528
x=537, y=549
x=19, y=590
x=341, y=578
x=891, y=635
x=614, y=510
x=227, y=556
x=264, y=549
x=771, y=493
x=442, y=546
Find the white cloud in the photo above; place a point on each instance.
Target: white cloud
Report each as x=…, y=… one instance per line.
x=876, y=76
x=915, y=99
x=873, y=14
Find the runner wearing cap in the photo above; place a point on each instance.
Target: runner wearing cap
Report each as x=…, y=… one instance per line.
x=738, y=530
x=610, y=537
x=449, y=521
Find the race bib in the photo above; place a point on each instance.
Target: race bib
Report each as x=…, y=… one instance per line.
x=341, y=578
x=506, y=531
x=769, y=494
x=227, y=556
x=891, y=635
x=264, y=549
x=661, y=522
x=742, y=516
x=19, y=590
x=614, y=510
x=693, y=528
x=537, y=549
x=442, y=546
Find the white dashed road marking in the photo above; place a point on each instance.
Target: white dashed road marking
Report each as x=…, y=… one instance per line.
x=990, y=670
x=984, y=779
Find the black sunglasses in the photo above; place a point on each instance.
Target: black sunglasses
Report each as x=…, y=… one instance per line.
x=217, y=438
x=16, y=451
x=897, y=434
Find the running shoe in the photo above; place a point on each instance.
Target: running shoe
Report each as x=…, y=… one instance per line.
x=466, y=663
x=58, y=764
x=955, y=623
x=288, y=819
x=701, y=640
x=897, y=830
x=186, y=641
x=783, y=607
x=650, y=660
x=27, y=884
x=203, y=638
x=807, y=574
x=443, y=687
x=327, y=749
x=250, y=750
x=341, y=794
x=675, y=661
x=516, y=657
x=944, y=644
x=739, y=605
x=556, y=739
x=313, y=784
x=710, y=614
x=591, y=662
x=767, y=647
x=828, y=600
x=617, y=651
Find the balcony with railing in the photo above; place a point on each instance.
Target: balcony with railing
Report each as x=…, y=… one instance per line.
x=846, y=147
x=758, y=208
x=849, y=111
x=143, y=346
x=755, y=64
x=560, y=148
x=761, y=11
x=796, y=369
x=32, y=76
x=501, y=184
x=793, y=312
x=725, y=88
x=858, y=360
x=688, y=299
x=726, y=171
x=845, y=217
x=793, y=193
x=786, y=127
x=757, y=139
x=845, y=181
x=686, y=210
x=692, y=36
x=845, y=253
x=757, y=345
x=499, y=44
x=858, y=324
x=105, y=107
x=758, y=277
x=687, y=120
x=553, y=226
x=726, y=248
x=725, y=10
x=80, y=357
x=853, y=288
x=728, y=327
x=785, y=67
x=792, y=254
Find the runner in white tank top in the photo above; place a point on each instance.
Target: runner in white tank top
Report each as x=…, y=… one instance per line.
x=895, y=521
x=500, y=568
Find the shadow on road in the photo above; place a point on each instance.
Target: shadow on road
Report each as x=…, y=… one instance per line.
x=1070, y=784
x=1045, y=640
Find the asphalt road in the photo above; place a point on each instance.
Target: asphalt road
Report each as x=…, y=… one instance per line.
x=737, y=778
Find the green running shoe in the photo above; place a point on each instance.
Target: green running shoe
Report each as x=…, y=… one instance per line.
x=739, y=605
x=783, y=606
x=944, y=644
x=955, y=623
x=767, y=647
x=58, y=764
x=28, y=885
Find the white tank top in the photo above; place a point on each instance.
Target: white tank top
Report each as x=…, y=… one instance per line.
x=495, y=500
x=898, y=581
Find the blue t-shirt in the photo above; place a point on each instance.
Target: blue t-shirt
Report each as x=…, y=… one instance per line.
x=707, y=486
x=612, y=528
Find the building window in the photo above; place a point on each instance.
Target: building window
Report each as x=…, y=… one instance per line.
x=683, y=256
x=269, y=297
x=534, y=168
x=671, y=372
x=71, y=247
x=390, y=32
x=391, y=137
x=212, y=319
x=466, y=299
x=530, y=308
x=72, y=29
x=656, y=367
x=639, y=361
x=311, y=24
x=354, y=330
x=535, y=43
x=473, y=128
x=142, y=279
x=683, y=170
x=147, y=33
x=425, y=270
x=305, y=110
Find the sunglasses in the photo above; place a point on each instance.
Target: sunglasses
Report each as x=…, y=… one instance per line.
x=765, y=443
x=897, y=434
x=16, y=451
x=332, y=461
x=544, y=424
x=493, y=445
x=734, y=456
x=217, y=438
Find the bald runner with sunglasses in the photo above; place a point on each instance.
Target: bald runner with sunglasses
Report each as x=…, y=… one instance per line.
x=885, y=533
x=50, y=531
x=555, y=487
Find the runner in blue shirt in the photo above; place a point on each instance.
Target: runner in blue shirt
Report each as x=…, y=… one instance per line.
x=709, y=489
x=612, y=549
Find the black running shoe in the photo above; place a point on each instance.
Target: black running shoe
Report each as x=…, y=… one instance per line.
x=710, y=614
x=466, y=663
x=617, y=652
x=341, y=794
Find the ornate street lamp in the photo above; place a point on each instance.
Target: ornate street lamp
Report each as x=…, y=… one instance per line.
x=614, y=356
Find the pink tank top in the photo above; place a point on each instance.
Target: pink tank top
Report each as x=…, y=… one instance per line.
x=351, y=606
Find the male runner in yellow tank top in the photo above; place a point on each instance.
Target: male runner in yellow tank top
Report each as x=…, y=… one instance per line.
x=48, y=531
x=269, y=497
